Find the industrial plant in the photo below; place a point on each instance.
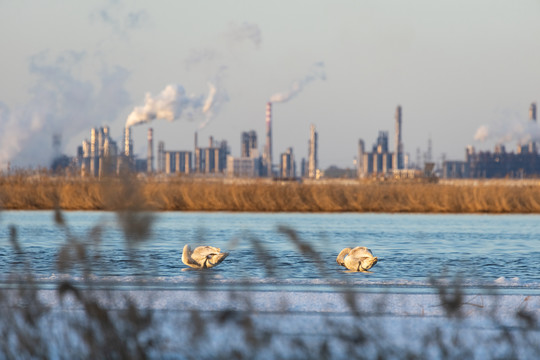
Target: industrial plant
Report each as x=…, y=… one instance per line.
x=380, y=161
x=101, y=156
x=524, y=162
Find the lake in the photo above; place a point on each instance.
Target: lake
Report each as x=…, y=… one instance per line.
x=498, y=252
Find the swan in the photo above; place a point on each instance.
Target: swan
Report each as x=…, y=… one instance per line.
x=359, y=258
x=203, y=257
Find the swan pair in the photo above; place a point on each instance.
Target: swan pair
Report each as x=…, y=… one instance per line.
x=357, y=259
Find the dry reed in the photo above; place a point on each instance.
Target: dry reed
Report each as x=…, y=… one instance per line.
x=188, y=194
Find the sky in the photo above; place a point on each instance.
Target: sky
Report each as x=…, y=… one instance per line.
x=464, y=72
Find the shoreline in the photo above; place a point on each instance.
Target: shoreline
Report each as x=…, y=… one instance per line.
x=465, y=196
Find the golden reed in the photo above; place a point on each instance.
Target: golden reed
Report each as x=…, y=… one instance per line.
x=183, y=194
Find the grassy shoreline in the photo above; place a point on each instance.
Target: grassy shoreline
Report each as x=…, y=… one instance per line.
x=44, y=192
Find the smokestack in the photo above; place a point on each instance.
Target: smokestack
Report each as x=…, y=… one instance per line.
x=150, y=160
x=532, y=112
x=127, y=141
x=196, y=141
x=211, y=142
x=101, y=141
x=360, y=160
x=398, y=162
x=312, y=160
x=93, y=142
x=93, y=151
x=106, y=142
x=161, y=157
x=268, y=147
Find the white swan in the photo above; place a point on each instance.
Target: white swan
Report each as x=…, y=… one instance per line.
x=359, y=258
x=203, y=257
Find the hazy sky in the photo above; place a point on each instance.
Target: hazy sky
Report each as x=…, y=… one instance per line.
x=454, y=66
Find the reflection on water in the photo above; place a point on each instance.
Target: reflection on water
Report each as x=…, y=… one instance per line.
x=499, y=250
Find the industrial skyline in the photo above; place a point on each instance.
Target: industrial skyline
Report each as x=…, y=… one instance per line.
x=344, y=66
x=101, y=156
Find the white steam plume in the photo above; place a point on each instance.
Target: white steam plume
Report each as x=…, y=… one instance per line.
x=210, y=99
x=173, y=101
x=168, y=105
x=515, y=129
x=316, y=73
x=60, y=103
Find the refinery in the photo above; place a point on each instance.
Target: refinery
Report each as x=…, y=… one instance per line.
x=101, y=156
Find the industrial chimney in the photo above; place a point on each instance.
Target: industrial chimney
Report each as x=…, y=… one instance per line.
x=532, y=112
x=398, y=160
x=267, y=157
x=533, y=148
x=360, y=160
x=150, y=160
x=127, y=142
x=312, y=156
x=94, y=152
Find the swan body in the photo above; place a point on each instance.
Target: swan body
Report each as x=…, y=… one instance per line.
x=203, y=257
x=359, y=258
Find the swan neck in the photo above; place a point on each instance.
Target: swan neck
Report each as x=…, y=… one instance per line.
x=342, y=255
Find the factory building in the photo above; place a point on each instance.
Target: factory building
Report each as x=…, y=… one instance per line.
x=178, y=162
x=381, y=158
x=524, y=162
x=211, y=160
x=377, y=162
x=303, y=168
x=380, y=161
x=287, y=166
x=173, y=162
x=248, y=143
x=497, y=164
x=245, y=167
x=249, y=164
x=99, y=156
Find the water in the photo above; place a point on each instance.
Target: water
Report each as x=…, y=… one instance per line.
x=493, y=251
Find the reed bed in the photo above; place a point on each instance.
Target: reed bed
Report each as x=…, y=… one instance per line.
x=188, y=194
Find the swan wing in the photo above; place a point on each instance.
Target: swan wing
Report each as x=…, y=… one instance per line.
x=204, y=251
x=187, y=259
x=207, y=256
x=216, y=259
x=361, y=252
x=341, y=256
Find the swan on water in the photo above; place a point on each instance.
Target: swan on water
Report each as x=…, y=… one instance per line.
x=203, y=257
x=359, y=258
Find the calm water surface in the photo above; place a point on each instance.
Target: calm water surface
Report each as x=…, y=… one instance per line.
x=501, y=251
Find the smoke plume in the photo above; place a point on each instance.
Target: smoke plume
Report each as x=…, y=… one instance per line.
x=245, y=32
x=198, y=56
x=61, y=104
x=119, y=18
x=511, y=130
x=316, y=73
x=173, y=103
